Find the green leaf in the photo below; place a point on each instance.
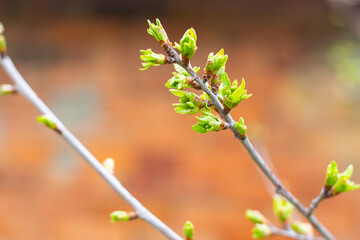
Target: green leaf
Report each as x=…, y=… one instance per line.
x=177, y=93
x=157, y=31
x=187, y=46
x=241, y=127
x=215, y=62
x=198, y=128
x=344, y=185
x=332, y=172
x=151, y=59
x=347, y=173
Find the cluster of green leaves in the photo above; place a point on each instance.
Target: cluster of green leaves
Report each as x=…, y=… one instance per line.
x=215, y=62
x=157, y=31
x=208, y=122
x=181, y=78
x=187, y=45
x=151, y=59
x=283, y=211
x=189, y=103
x=336, y=182
x=230, y=94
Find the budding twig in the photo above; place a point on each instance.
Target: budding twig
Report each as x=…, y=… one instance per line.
x=141, y=211
x=248, y=146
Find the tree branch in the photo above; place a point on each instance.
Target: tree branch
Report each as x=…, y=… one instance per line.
x=291, y=234
x=315, y=202
x=248, y=146
x=142, y=212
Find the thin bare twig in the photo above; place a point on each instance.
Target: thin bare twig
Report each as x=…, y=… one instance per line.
x=291, y=234
x=315, y=202
x=249, y=147
x=143, y=213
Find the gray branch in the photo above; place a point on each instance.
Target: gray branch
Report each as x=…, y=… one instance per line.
x=249, y=147
x=142, y=212
x=291, y=234
x=315, y=202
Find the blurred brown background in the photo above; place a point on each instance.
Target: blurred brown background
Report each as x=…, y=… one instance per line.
x=301, y=60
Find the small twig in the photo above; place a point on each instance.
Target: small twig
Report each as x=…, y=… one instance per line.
x=315, y=202
x=291, y=234
x=142, y=212
x=249, y=147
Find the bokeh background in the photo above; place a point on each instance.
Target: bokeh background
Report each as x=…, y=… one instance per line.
x=301, y=60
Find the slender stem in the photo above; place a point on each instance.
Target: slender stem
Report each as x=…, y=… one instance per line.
x=143, y=213
x=249, y=147
x=291, y=234
x=315, y=202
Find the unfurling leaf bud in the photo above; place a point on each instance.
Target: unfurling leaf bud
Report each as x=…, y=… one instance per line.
x=181, y=79
x=208, y=122
x=347, y=173
x=282, y=208
x=187, y=46
x=332, y=172
x=158, y=32
x=109, y=165
x=49, y=122
x=302, y=228
x=7, y=89
x=3, y=48
x=261, y=231
x=215, y=62
x=241, y=127
x=188, y=230
x=189, y=103
x=342, y=183
x=255, y=216
x=122, y=216
x=151, y=59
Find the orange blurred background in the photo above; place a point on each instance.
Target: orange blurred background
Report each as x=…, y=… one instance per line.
x=82, y=57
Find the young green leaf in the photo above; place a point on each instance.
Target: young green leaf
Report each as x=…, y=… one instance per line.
x=332, y=172
x=241, y=127
x=151, y=59
x=187, y=46
x=189, y=103
x=208, y=122
x=157, y=31
x=215, y=62
x=181, y=78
